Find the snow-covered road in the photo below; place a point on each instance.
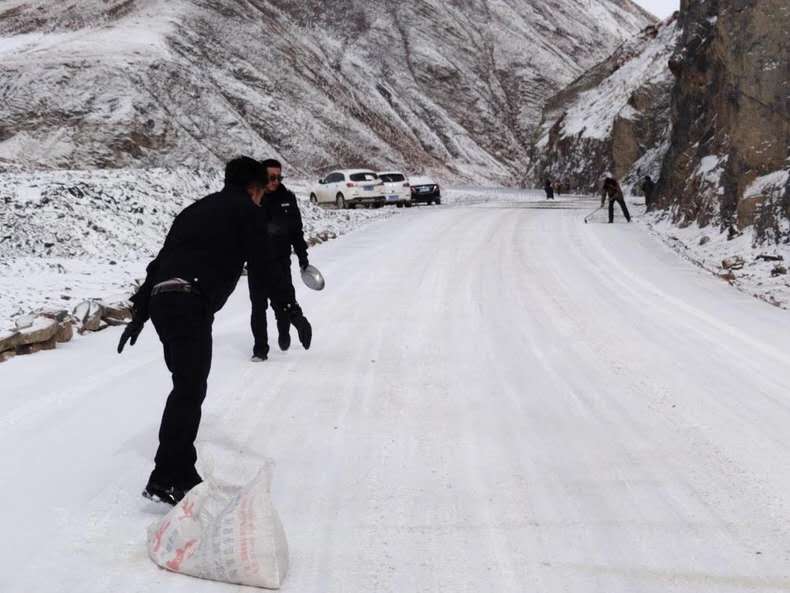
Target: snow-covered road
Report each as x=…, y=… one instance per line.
x=499, y=399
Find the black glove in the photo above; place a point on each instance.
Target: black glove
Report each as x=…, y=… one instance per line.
x=303, y=262
x=130, y=333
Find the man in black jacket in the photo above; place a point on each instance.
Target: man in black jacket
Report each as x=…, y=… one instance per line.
x=186, y=284
x=279, y=227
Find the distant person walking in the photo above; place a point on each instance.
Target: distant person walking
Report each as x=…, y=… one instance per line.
x=549, y=189
x=648, y=187
x=611, y=189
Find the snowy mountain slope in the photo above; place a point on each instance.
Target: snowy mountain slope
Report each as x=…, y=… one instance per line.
x=455, y=88
x=615, y=117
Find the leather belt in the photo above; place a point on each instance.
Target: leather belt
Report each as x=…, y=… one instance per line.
x=175, y=285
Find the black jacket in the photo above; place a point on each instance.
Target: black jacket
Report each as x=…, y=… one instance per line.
x=208, y=244
x=278, y=228
x=611, y=189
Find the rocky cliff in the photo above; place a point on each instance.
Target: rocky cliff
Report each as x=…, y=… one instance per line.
x=729, y=156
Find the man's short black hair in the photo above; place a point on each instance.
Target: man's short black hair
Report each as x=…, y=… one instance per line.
x=244, y=170
x=271, y=164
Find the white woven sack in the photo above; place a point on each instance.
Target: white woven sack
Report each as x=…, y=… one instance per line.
x=227, y=534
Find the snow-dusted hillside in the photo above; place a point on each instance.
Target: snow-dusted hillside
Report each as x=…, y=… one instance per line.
x=454, y=88
x=67, y=236
x=616, y=117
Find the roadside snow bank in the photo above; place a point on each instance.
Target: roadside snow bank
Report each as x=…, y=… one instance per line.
x=71, y=236
x=734, y=257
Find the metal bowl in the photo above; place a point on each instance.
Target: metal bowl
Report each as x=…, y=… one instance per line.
x=312, y=278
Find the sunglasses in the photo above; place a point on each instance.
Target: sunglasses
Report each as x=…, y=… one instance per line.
x=276, y=177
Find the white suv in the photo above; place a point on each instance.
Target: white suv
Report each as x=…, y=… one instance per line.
x=347, y=188
x=396, y=188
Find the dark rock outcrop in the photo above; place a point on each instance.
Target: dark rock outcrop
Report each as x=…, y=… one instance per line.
x=729, y=157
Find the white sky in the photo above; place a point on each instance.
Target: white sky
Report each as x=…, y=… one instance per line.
x=660, y=8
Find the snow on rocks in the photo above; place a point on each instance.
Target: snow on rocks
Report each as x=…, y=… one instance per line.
x=8, y=341
x=733, y=263
x=65, y=332
x=733, y=255
x=766, y=196
x=89, y=314
x=773, y=183
x=43, y=329
x=710, y=170
x=593, y=114
x=40, y=333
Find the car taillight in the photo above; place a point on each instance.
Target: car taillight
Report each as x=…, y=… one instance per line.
x=349, y=184
x=405, y=185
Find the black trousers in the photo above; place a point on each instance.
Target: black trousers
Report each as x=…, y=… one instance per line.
x=183, y=322
x=623, y=207
x=648, y=202
x=272, y=282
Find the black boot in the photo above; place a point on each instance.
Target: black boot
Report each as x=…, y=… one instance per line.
x=293, y=313
x=304, y=330
x=171, y=495
x=168, y=491
x=260, y=354
x=284, y=334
